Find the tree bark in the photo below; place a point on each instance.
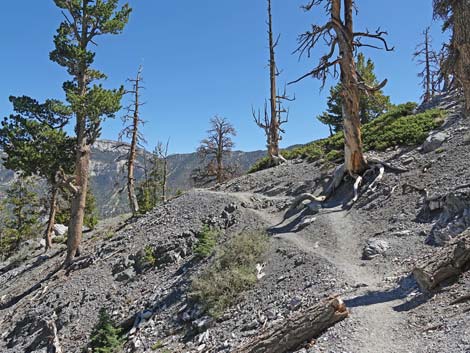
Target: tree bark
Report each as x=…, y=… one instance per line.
x=132, y=153
x=82, y=158
x=427, y=95
x=51, y=220
x=273, y=148
x=461, y=46
x=355, y=162
x=444, y=264
x=290, y=334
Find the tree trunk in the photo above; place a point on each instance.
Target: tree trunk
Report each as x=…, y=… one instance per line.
x=82, y=157
x=461, y=46
x=273, y=148
x=164, y=178
x=219, y=157
x=355, y=162
x=444, y=264
x=51, y=220
x=427, y=94
x=132, y=153
x=291, y=333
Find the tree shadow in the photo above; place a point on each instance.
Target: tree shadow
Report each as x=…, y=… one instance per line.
x=14, y=300
x=405, y=287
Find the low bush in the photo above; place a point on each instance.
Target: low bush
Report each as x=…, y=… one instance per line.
x=106, y=336
x=232, y=272
x=398, y=127
x=207, y=241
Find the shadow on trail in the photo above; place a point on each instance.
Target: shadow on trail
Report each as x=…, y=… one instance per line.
x=406, y=286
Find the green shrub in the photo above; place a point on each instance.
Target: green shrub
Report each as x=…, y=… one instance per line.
x=59, y=240
x=149, y=256
x=106, y=337
x=398, y=127
x=232, y=272
x=207, y=242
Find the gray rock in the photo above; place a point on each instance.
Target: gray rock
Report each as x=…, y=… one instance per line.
x=374, y=248
x=433, y=142
x=125, y=275
x=60, y=229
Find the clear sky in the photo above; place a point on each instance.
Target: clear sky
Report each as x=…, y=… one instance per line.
x=208, y=57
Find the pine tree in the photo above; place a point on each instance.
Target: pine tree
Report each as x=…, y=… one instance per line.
x=213, y=152
x=85, y=21
x=35, y=144
x=371, y=104
x=21, y=222
x=342, y=42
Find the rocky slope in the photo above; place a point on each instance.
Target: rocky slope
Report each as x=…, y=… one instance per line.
x=107, y=173
x=314, y=253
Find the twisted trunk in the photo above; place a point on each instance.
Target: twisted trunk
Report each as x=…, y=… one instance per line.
x=355, y=162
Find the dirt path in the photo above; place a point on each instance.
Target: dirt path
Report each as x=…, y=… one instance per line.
x=375, y=325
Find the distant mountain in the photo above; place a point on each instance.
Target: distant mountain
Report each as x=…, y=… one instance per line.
x=107, y=173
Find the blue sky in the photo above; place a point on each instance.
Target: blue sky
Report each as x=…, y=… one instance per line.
x=208, y=57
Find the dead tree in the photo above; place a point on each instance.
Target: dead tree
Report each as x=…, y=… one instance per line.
x=132, y=132
x=426, y=57
x=215, y=148
x=444, y=264
x=278, y=115
x=455, y=14
x=162, y=153
x=301, y=328
x=343, y=41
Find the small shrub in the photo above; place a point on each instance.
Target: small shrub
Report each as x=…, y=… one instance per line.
x=207, y=242
x=156, y=345
x=149, y=256
x=106, y=337
x=397, y=127
x=232, y=272
x=59, y=240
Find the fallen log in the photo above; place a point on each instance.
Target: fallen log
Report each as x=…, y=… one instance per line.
x=299, y=329
x=443, y=264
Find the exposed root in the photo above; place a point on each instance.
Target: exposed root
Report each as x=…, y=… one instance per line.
x=53, y=345
x=303, y=197
x=387, y=166
x=381, y=168
x=336, y=181
x=356, y=188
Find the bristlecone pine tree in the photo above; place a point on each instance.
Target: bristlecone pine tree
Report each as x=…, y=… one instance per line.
x=132, y=132
x=426, y=57
x=456, y=14
x=21, y=221
x=277, y=115
x=371, y=105
x=35, y=144
x=85, y=20
x=342, y=40
x=213, y=151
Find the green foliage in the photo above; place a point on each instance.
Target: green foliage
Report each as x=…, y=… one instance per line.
x=149, y=256
x=59, y=240
x=72, y=41
x=106, y=336
x=207, y=242
x=397, y=127
x=33, y=139
x=370, y=106
x=232, y=272
x=91, y=210
x=21, y=210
